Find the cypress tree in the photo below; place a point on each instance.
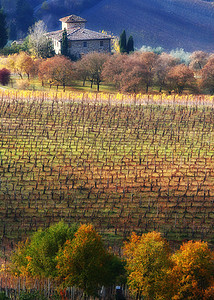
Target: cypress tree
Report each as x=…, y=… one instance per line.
x=64, y=49
x=3, y=29
x=130, y=44
x=122, y=42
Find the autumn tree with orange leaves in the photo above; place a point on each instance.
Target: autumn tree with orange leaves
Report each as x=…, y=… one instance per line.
x=57, y=70
x=81, y=72
x=131, y=73
x=193, y=272
x=76, y=256
x=114, y=68
x=180, y=77
x=155, y=273
x=21, y=64
x=138, y=72
x=207, y=76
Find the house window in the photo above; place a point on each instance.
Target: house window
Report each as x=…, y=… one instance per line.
x=101, y=43
x=85, y=44
x=69, y=44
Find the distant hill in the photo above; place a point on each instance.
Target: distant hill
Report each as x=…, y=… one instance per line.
x=187, y=24
x=171, y=24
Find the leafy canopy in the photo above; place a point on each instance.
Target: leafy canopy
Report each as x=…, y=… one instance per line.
x=37, y=257
x=85, y=263
x=148, y=262
x=193, y=271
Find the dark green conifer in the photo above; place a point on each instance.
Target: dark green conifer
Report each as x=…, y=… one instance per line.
x=130, y=44
x=3, y=29
x=122, y=42
x=64, y=49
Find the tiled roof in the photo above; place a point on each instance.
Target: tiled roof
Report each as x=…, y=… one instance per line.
x=72, y=19
x=78, y=34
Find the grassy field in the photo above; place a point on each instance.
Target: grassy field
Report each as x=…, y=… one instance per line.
x=34, y=84
x=129, y=167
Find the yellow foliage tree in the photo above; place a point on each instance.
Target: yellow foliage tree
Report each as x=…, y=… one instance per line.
x=20, y=259
x=11, y=62
x=148, y=265
x=24, y=64
x=115, y=47
x=193, y=271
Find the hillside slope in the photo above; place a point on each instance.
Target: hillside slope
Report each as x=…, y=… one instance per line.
x=187, y=24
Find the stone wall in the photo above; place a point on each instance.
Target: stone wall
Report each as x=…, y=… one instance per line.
x=77, y=48
x=71, y=25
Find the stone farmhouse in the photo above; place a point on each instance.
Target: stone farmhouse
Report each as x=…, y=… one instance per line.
x=80, y=40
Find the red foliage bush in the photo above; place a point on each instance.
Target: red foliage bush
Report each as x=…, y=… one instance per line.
x=4, y=76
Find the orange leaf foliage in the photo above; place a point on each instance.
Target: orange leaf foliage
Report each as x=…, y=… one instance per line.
x=193, y=271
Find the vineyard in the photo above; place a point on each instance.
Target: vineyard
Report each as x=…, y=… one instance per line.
x=124, y=163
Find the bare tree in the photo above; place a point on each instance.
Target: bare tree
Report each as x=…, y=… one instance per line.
x=56, y=70
x=113, y=68
x=198, y=60
x=139, y=72
x=179, y=78
x=94, y=63
x=39, y=44
x=81, y=72
x=164, y=63
x=131, y=73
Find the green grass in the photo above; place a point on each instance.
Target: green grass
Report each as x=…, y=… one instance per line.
x=36, y=85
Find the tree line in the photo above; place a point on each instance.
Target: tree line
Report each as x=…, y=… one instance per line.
x=77, y=256
x=133, y=73
x=129, y=71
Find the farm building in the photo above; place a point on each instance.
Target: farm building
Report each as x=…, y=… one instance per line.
x=80, y=39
